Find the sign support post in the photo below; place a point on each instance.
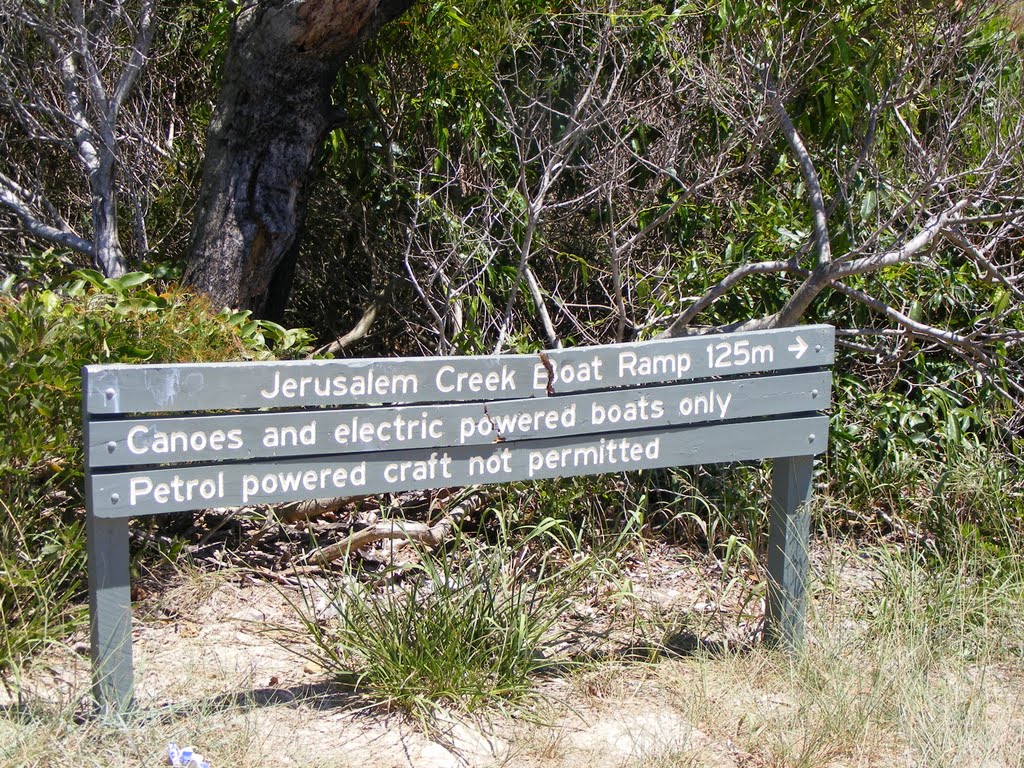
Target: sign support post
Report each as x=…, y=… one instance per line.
x=788, y=539
x=110, y=595
x=110, y=608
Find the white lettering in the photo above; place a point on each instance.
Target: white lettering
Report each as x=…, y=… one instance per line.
x=567, y=372
x=177, y=489
x=508, y=425
x=449, y=380
x=289, y=436
x=132, y=434
x=606, y=453
x=630, y=412
x=495, y=464
x=710, y=403
x=326, y=479
x=419, y=471
x=368, y=383
x=662, y=367
x=398, y=429
x=142, y=440
x=140, y=486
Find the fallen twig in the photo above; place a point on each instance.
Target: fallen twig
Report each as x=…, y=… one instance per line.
x=311, y=508
x=420, y=533
x=360, y=329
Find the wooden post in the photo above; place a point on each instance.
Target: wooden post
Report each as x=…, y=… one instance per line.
x=788, y=539
x=110, y=608
x=110, y=601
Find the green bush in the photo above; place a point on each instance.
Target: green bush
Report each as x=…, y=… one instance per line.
x=46, y=336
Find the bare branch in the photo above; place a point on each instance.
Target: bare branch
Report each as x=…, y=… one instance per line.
x=923, y=330
x=524, y=255
x=822, y=243
x=405, y=530
x=538, y=299
x=17, y=199
x=719, y=289
x=925, y=237
x=359, y=330
x=616, y=265
x=956, y=238
x=137, y=61
x=968, y=349
x=97, y=91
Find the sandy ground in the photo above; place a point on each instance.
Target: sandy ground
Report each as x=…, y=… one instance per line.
x=222, y=660
x=231, y=647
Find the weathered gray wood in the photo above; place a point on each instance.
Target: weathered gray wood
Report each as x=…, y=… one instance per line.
x=240, y=437
x=126, y=494
x=746, y=426
x=109, y=577
x=119, y=389
x=788, y=539
x=110, y=633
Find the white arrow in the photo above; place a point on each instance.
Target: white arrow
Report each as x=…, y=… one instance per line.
x=800, y=347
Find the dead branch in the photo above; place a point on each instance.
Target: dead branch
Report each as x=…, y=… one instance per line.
x=542, y=309
x=73, y=99
x=312, y=508
x=411, y=531
x=16, y=198
x=822, y=241
x=359, y=330
x=719, y=289
x=987, y=266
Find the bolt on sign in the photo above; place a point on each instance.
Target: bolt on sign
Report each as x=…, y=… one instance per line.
x=169, y=438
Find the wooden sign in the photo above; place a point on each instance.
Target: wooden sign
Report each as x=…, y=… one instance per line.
x=124, y=494
x=168, y=438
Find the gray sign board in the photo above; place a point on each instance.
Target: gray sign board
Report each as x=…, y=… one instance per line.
x=169, y=438
x=282, y=480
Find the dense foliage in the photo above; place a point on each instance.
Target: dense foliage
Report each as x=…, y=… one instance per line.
x=454, y=170
x=459, y=160
x=46, y=335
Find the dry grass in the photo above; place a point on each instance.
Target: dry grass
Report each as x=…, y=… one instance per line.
x=51, y=737
x=1015, y=12
x=910, y=662
x=913, y=668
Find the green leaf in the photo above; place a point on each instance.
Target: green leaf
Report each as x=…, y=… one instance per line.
x=868, y=204
x=92, y=277
x=1001, y=301
x=132, y=279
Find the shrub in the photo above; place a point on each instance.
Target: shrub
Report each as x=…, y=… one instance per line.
x=46, y=336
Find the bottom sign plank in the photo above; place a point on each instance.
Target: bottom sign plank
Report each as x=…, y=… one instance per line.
x=126, y=494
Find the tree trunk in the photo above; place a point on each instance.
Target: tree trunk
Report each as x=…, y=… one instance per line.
x=107, y=252
x=272, y=117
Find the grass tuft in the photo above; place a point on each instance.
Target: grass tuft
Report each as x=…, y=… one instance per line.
x=458, y=635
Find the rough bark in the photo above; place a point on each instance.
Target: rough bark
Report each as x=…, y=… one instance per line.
x=272, y=117
x=108, y=254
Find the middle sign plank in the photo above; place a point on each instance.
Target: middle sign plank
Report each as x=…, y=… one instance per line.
x=242, y=437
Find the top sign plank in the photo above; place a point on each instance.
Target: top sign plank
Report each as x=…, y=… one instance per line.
x=116, y=389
